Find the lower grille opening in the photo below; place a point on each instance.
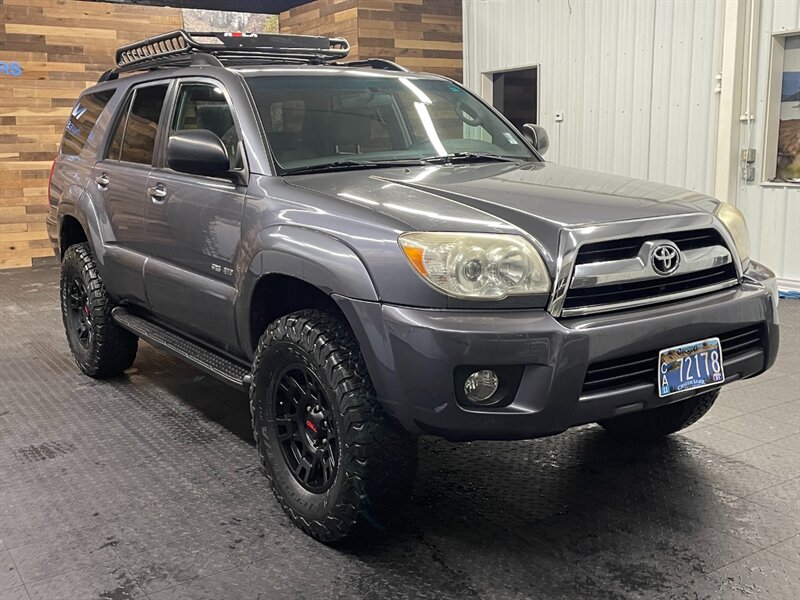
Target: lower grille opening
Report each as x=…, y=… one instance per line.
x=642, y=368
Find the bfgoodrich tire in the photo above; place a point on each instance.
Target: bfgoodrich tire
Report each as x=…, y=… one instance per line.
x=658, y=422
x=101, y=348
x=338, y=465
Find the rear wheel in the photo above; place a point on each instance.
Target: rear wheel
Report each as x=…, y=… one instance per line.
x=658, y=422
x=338, y=465
x=101, y=348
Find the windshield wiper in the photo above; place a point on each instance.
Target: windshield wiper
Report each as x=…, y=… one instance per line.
x=343, y=165
x=471, y=156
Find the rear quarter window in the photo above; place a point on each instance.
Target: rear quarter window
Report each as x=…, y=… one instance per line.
x=82, y=120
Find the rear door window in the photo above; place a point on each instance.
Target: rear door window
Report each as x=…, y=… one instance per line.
x=82, y=120
x=141, y=127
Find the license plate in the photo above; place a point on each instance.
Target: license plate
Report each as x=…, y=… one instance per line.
x=690, y=366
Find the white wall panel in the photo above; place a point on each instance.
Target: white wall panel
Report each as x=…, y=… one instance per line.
x=638, y=99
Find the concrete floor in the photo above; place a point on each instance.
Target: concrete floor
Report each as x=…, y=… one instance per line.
x=148, y=487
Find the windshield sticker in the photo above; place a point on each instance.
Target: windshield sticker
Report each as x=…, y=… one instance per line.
x=510, y=138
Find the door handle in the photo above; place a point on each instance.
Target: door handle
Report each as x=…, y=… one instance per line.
x=102, y=181
x=158, y=193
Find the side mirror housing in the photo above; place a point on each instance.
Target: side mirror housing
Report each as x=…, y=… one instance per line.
x=199, y=152
x=537, y=136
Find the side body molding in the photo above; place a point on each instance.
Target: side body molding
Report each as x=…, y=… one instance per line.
x=306, y=254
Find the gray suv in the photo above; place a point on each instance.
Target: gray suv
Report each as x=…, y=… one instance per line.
x=375, y=255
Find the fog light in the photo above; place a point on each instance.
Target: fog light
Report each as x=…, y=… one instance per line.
x=481, y=386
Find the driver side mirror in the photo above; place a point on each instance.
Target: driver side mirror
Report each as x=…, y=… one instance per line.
x=537, y=136
x=199, y=152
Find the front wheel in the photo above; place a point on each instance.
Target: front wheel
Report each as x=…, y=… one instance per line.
x=336, y=462
x=658, y=422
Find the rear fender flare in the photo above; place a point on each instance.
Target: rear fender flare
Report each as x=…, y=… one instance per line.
x=83, y=211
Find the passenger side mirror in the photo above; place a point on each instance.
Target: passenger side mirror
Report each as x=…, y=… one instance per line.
x=537, y=136
x=199, y=152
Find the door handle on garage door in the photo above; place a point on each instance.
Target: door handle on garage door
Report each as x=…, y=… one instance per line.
x=102, y=181
x=158, y=193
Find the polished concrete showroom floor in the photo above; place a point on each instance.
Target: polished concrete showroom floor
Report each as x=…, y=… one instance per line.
x=148, y=486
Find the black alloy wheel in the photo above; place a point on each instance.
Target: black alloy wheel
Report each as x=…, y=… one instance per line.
x=79, y=316
x=306, y=427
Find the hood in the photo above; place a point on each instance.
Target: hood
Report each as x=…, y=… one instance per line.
x=539, y=199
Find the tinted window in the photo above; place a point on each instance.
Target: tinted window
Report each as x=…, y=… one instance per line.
x=119, y=131
x=203, y=106
x=82, y=119
x=142, y=126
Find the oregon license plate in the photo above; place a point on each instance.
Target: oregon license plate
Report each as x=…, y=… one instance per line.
x=690, y=366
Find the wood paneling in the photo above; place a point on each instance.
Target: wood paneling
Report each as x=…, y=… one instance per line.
x=422, y=35
x=62, y=46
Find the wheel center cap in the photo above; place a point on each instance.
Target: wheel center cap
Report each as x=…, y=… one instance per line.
x=315, y=425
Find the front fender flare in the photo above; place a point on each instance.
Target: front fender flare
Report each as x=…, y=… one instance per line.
x=309, y=255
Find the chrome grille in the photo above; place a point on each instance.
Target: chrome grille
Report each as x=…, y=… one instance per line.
x=618, y=274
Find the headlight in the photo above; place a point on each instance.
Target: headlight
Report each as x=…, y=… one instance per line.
x=479, y=266
x=734, y=222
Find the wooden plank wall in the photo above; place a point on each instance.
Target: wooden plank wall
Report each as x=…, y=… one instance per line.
x=62, y=47
x=331, y=18
x=423, y=35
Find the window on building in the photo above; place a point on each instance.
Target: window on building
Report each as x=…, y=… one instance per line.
x=82, y=119
x=782, y=152
x=142, y=125
x=515, y=94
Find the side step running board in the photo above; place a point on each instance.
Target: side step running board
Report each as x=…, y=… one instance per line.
x=207, y=360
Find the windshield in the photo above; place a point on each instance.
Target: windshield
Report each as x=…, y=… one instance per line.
x=355, y=120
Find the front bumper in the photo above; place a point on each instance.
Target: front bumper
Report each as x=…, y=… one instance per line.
x=412, y=355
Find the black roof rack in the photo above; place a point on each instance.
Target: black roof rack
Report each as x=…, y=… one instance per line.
x=181, y=48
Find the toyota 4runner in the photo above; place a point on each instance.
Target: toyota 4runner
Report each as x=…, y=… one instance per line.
x=376, y=254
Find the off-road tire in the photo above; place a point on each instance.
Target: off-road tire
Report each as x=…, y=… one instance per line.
x=109, y=349
x=658, y=422
x=376, y=457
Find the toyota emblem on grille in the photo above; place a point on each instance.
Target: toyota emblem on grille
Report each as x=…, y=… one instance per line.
x=665, y=259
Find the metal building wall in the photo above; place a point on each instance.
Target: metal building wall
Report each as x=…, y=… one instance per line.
x=636, y=81
x=597, y=65
x=773, y=212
